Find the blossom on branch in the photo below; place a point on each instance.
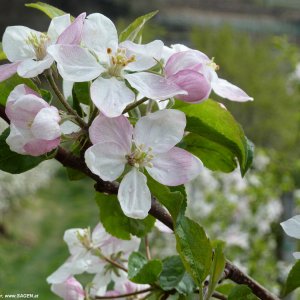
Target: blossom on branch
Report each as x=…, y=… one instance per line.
x=70, y=289
x=195, y=73
x=34, y=124
x=27, y=48
x=112, y=65
x=150, y=146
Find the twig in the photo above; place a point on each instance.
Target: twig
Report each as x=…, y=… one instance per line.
x=134, y=105
x=220, y=296
x=125, y=295
x=63, y=101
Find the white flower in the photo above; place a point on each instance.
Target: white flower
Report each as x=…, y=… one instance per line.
x=102, y=58
x=27, y=48
x=83, y=247
x=149, y=145
x=292, y=228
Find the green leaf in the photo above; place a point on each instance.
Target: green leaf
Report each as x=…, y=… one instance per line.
x=174, y=201
x=174, y=276
x=13, y=162
x=49, y=10
x=2, y=54
x=116, y=223
x=8, y=85
x=214, y=156
x=241, y=292
x=212, y=121
x=134, y=30
x=46, y=95
x=194, y=248
x=74, y=175
x=140, y=270
x=217, y=268
x=293, y=280
x=81, y=90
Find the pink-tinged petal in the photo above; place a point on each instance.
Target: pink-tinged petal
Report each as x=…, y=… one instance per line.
x=161, y=130
x=154, y=86
x=111, y=96
x=15, y=44
x=99, y=33
x=57, y=26
x=117, y=130
x=45, y=125
x=17, y=139
x=8, y=70
x=194, y=83
x=31, y=68
x=175, y=167
x=73, y=33
x=39, y=147
x=191, y=60
x=227, y=90
x=23, y=111
x=75, y=63
x=74, y=244
x=134, y=195
x=107, y=160
x=146, y=56
x=70, y=289
x=292, y=227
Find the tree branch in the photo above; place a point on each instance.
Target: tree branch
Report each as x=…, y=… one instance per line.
x=232, y=272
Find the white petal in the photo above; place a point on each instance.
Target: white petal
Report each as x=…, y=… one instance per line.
x=146, y=56
x=99, y=284
x=57, y=26
x=45, y=125
x=61, y=274
x=111, y=96
x=292, y=227
x=117, y=130
x=17, y=139
x=15, y=44
x=74, y=244
x=134, y=195
x=75, y=63
x=175, y=167
x=107, y=160
x=161, y=130
x=154, y=86
x=67, y=88
x=31, y=68
x=99, y=33
x=229, y=91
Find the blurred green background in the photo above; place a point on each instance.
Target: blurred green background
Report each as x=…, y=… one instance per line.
x=256, y=45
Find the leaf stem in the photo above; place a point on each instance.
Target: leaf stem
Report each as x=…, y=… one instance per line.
x=148, y=254
x=134, y=105
x=63, y=101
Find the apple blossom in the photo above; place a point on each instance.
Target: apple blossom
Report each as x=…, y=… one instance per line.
x=70, y=289
x=84, y=248
x=100, y=57
x=34, y=124
x=195, y=73
x=27, y=48
x=292, y=228
x=149, y=145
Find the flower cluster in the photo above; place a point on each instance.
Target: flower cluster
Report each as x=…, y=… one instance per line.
x=122, y=135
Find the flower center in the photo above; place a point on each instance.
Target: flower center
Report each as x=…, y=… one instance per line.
x=213, y=65
x=140, y=157
x=85, y=239
x=118, y=61
x=39, y=44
